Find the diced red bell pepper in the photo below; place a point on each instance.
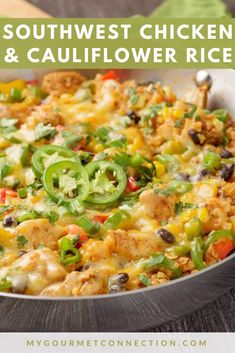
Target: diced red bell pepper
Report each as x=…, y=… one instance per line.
x=223, y=247
x=100, y=218
x=110, y=75
x=7, y=192
x=74, y=229
x=11, y=193
x=132, y=185
x=80, y=145
x=3, y=195
x=32, y=83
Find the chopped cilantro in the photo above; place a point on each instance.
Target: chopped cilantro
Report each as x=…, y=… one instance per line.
x=152, y=111
x=4, y=284
x=171, y=162
x=1, y=250
x=180, y=207
x=4, y=208
x=4, y=169
x=51, y=216
x=186, y=115
x=221, y=114
x=133, y=96
x=125, y=160
x=44, y=131
x=21, y=240
x=109, y=138
x=71, y=139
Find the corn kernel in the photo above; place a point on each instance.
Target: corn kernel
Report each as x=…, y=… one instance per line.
x=233, y=223
x=160, y=168
x=202, y=214
x=175, y=228
x=4, y=143
x=5, y=237
x=187, y=215
x=173, y=147
x=165, y=112
x=98, y=148
x=178, y=113
x=6, y=87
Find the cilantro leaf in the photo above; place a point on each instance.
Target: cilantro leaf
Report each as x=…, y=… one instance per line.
x=170, y=162
x=1, y=250
x=109, y=138
x=152, y=111
x=21, y=241
x=133, y=96
x=186, y=115
x=4, y=284
x=44, y=131
x=180, y=207
x=71, y=139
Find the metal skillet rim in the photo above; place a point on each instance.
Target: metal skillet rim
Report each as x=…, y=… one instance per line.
x=121, y=294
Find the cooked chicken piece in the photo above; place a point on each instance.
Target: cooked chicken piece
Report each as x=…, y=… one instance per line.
x=213, y=132
x=60, y=82
x=167, y=131
x=229, y=191
x=135, y=244
x=230, y=132
x=34, y=271
x=41, y=231
x=158, y=206
x=18, y=111
x=159, y=277
x=96, y=250
x=211, y=256
x=185, y=264
x=218, y=214
x=90, y=282
x=47, y=115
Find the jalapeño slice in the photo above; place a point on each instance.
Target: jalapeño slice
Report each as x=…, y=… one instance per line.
x=49, y=154
x=107, y=182
x=66, y=181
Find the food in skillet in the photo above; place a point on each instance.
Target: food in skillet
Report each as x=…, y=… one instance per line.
x=108, y=186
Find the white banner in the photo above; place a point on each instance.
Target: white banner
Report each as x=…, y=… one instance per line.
x=117, y=342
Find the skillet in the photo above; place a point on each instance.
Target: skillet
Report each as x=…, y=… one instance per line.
x=140, y=309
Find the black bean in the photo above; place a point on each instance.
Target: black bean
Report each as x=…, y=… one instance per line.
x=9, y=221
x=147, y=83
x=86, y=267
x=22, y=252
x=183, y=176
x=115, y=288
x=226, y=154
x=133, y=116
x=227, y=171
x=118, y=279
x=166, y=235
x=195, y=136
x=204, y=173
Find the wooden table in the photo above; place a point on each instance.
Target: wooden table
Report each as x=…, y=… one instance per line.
x=102, y=8
x=219, y=315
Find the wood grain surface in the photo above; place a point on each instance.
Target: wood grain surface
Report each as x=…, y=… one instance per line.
x=102, y=8
x=218, y=316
